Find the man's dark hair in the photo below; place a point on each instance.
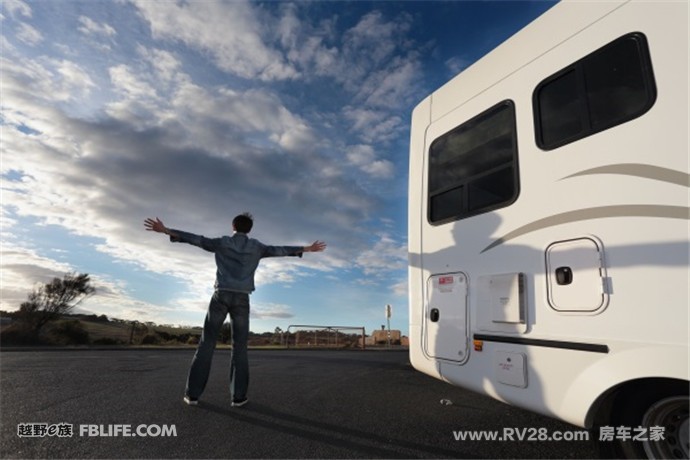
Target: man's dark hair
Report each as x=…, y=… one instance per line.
x=243, y=223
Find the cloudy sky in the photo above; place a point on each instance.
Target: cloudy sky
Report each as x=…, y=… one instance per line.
x=195, y=111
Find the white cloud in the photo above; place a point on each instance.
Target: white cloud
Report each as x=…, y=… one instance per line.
x=91, y=27
x=166, y=65
x=401, y=289
x=380, y=169
x=456, y=65
x=392, y=85
x=364, y=157
x=17, y=8
x=361, y=155
x=386, y=256
x=377, y=35
x=139, y=99
x=41, y=82
x=232, y=32
x=374, y=59
x=271, y=311
x=288, y=27
x=126, y=81
x=74, y=76
x=373, y=125
x=22, y=269
x=28, y=34
x=382, y=65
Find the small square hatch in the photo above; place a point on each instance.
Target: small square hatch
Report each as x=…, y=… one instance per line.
x=506, y=298
x=510, y=369
x=575, y=275
x=501, y=303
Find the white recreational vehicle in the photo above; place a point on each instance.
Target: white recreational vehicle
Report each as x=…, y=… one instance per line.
x=548, y=222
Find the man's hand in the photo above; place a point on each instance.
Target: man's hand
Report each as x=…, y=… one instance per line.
x=155, y=226
x=316, y=246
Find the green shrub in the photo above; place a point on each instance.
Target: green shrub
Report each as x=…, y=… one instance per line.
x=17, y=334
x=150, y=339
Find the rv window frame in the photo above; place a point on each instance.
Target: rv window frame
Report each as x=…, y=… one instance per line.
x=647, y=73
x=465, y=211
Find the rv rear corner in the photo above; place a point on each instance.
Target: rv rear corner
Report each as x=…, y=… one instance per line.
x=548, y=222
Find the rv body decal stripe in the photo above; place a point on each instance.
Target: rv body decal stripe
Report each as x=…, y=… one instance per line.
x=579, y=346
x=632, y=210
x=670, y=176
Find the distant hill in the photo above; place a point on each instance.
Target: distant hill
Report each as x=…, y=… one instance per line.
x=81, y=329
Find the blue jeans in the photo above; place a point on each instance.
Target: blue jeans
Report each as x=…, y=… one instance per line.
x=222, y=303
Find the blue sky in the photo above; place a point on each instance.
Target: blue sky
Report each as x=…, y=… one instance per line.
x=195, y=111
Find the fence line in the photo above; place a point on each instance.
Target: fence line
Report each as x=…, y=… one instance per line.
x=330, y=331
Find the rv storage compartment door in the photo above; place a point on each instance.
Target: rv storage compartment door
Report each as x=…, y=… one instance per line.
x=501, y=304
x=575, y=275
x=445, y=317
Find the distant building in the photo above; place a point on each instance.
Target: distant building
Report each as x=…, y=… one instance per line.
x=380, y=337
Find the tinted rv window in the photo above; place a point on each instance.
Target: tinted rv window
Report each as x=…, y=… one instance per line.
x=473, y=168
x=613, y=85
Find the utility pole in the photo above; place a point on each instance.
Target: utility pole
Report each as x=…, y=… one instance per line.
x=131, y=334
x=389, y=312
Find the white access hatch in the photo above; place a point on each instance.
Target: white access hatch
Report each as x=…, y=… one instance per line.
x=510, y=368
x=501, y=303
x=445, y=319
x=575, y=275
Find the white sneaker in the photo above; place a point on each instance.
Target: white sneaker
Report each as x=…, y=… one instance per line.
x=191, y=401
x=239, y=402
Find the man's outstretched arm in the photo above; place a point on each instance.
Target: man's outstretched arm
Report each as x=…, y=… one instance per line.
x=179, y=236
x=316, y=246
x=296, y=251
x=157, y=226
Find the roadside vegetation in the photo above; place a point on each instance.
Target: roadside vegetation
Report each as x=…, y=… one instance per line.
x=79, y=329
x=46, y=318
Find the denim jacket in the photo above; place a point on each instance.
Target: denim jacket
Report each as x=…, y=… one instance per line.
x=237, y=257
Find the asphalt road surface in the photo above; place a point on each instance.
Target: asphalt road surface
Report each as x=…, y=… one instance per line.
x=303, y=404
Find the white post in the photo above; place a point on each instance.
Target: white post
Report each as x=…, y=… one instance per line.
x=389, y=312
